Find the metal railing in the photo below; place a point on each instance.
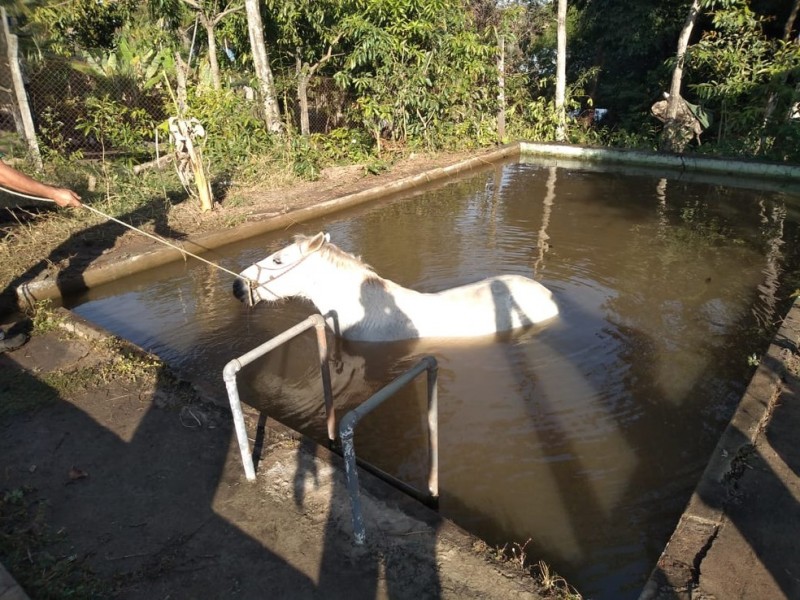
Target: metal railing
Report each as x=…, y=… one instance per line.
x=236, y=365
x=351, y=419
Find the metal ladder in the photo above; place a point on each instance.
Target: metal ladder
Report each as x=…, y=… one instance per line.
x=349, y=421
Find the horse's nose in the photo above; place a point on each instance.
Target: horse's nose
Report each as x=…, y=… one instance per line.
x=240, y=290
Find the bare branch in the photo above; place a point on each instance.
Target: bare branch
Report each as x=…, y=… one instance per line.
x=194, y=4
x=226, y=12
x=325, y=58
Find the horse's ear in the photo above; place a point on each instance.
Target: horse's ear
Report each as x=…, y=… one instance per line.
x=316, y=242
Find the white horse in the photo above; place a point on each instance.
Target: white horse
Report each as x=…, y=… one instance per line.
x=360, y=305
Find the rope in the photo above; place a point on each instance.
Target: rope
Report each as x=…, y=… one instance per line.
x=132, y=228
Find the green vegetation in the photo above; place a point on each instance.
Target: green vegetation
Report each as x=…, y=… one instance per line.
x=27, y=549
x=45, y=318
x=358, y=79
x=549, y=582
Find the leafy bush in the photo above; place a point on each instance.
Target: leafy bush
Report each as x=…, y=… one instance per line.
x=234, y=132
x=113, y=125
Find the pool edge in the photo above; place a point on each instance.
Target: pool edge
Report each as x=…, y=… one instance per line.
x=680, y=568
x=53, y=288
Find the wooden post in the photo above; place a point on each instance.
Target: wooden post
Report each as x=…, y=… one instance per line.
x=14, y=86
x=302, y=92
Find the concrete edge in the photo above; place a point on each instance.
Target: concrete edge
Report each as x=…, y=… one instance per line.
x=678, y=565
x=37, y=290
x=686, y=162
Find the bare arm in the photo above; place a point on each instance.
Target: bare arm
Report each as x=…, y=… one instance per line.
x=18, y=181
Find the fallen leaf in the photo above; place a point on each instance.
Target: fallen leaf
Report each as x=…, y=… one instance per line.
x=75, y=474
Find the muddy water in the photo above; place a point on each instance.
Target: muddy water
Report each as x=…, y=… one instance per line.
x=585, y=436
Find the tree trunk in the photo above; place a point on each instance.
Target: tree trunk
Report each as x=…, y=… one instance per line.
x=772, y=101
x=213, y=65
x=501, y=89
x=17, y=94
x=255, y=30
x=673, y=138
x=561, y=71
x=181, y=96
x=302, y=93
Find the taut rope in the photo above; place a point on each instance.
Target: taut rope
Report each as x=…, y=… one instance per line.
x=132, y=228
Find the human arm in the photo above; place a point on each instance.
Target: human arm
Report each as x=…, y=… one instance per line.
x=20, y=182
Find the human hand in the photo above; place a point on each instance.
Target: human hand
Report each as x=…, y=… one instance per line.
x=65, y=197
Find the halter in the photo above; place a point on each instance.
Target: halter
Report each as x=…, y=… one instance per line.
x=253, y=284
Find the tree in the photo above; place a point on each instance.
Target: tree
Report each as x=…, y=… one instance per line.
x=773, y=97
x=67, y=27
x=739, y=65
x=625, y=45
x=309, y=31
x=255, y=31
x=419, y=70
x=209, y=16
x=673, y=136
x=561, y=71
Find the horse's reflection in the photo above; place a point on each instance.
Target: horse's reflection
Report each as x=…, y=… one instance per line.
x=287, y=383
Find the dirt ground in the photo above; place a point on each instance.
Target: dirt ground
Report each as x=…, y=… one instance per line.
x=117, y=479
x=238, y=205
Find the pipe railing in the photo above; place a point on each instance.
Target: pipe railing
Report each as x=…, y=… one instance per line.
x=351, y=419
x=236, y=365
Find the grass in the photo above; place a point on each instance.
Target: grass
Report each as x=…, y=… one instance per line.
x=44, y=318
x=550, y=583
x=553, y=584
x=120, y=363
x=26, y=548
x=22, y=392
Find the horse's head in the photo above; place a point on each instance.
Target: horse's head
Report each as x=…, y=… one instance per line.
x=275, y=277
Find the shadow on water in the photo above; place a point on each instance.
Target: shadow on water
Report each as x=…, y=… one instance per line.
x=757, y=504
x=555, y=438
x=154, y=498
x=760, y=531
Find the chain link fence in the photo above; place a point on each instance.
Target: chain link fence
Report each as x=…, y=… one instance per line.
x=70, y=102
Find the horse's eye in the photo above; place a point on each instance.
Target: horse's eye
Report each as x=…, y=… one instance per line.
x=277, y=260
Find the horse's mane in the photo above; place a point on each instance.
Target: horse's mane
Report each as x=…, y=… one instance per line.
x=343, y=260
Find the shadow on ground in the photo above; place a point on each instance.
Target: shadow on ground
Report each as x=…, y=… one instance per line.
x=141, y=483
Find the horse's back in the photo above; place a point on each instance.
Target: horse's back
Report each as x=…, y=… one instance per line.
x=485, y=307
x=520, y=301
